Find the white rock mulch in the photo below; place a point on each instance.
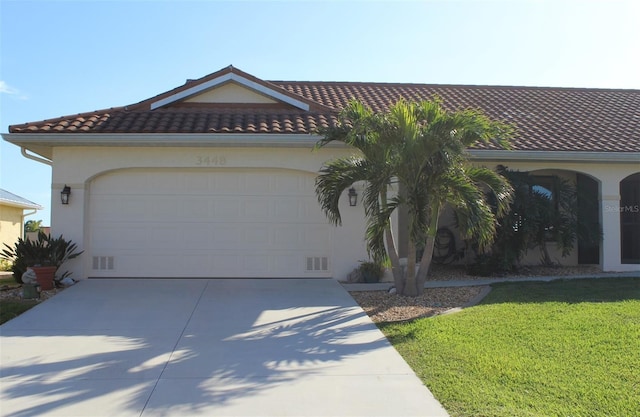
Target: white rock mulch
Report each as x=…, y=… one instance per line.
x=384, y=307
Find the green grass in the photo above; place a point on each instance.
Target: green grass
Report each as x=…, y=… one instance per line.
x=8, y=280
x=12, y=308
x=565, y=348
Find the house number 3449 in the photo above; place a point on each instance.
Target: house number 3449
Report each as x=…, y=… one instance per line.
x=210, y=160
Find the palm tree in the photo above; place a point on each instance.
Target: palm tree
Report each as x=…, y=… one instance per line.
x=418, y=148
x=32, y=226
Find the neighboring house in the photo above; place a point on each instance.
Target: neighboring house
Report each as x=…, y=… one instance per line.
x=215, y=178
x=12, y=214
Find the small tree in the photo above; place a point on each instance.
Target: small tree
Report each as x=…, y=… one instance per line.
x=420, y=148
x=32, y=226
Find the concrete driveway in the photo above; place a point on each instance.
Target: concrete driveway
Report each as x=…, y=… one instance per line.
x=188, y=347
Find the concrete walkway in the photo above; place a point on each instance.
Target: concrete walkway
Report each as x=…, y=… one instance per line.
x=385, y=286
x=204, y=348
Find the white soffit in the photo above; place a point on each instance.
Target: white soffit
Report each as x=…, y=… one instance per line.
x=277, y=95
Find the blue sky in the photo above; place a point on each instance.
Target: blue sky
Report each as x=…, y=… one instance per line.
x=61, y=57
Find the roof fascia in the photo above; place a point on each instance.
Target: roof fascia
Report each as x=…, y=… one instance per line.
x=29, y=140
x=260, y=88
x=17, y=204
x=50, y=140
x=560, y=156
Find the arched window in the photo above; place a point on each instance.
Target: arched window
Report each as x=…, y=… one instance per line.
x=630, y=219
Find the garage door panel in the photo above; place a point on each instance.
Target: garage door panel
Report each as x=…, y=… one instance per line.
x=256, y=237
x=255, y=208
x=224, y=236
x=228, y=184
x=127, y=236
x=197, y=209
x=226, y=208
x=161, y=208
x=285, y=235
x=262, y=223
x=223, y=265
x=255, y=264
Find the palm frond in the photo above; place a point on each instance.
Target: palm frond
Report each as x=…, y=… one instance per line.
x=335, y=177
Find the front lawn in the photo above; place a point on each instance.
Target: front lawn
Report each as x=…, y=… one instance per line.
x=10, y=307
x=564, y=348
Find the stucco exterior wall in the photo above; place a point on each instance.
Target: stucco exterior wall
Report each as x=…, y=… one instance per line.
x=77, y=166
x=230, y=93
x=10, y=224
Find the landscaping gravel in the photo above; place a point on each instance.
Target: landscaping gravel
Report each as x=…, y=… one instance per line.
x=384, y=307
x=15, y=293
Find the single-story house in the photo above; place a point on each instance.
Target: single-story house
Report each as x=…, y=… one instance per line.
x=215, y=178
x=12, y=214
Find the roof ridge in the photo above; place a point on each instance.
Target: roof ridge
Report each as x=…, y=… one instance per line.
x=487, y=86
x=191, y=83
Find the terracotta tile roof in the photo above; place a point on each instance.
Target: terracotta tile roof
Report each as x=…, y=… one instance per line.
x=547, y=119
x=555, y=119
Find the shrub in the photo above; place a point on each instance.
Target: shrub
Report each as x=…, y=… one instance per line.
x=44, y=251
x=371, y=271
x=5, y=265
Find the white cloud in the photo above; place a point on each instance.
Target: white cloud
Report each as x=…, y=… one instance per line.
x=7, y=89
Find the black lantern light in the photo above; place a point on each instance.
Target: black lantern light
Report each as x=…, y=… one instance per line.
x=353, y=197
x=64, y=194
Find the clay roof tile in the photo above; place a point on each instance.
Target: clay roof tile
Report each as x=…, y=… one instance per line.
x=546, y=118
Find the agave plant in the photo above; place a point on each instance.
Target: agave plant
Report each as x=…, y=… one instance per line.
x=44, y=251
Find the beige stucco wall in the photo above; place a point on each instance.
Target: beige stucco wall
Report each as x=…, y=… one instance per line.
x=77, y=166
x=230, y=93
x=10, y=224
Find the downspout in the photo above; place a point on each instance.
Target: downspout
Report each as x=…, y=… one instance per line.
x=34, y=158
x=24, y=233
x=42, y=161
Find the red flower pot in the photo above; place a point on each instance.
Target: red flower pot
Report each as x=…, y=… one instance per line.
x=44, y=276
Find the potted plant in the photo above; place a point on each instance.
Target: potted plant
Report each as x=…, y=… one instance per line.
x=44, y=255
x=371, y=271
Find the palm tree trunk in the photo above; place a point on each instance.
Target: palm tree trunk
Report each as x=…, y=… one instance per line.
x=427, y=255
x=410, y=289
x=392, y=251
x=425, y=263
x=546, y=258
x=398, y=278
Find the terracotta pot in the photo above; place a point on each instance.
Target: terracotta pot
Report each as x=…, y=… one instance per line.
x=44, y=276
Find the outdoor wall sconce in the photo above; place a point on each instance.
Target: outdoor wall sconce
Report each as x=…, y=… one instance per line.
x=353, y=197
x=64, y=194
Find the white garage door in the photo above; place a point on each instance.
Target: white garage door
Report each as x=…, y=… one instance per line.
x=213, y=223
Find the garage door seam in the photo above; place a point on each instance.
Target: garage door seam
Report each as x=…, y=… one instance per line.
x=175, y=346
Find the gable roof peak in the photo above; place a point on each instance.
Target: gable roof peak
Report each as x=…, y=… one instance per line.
x=229, y=74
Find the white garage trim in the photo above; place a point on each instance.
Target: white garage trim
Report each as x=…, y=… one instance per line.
x=214, y=222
